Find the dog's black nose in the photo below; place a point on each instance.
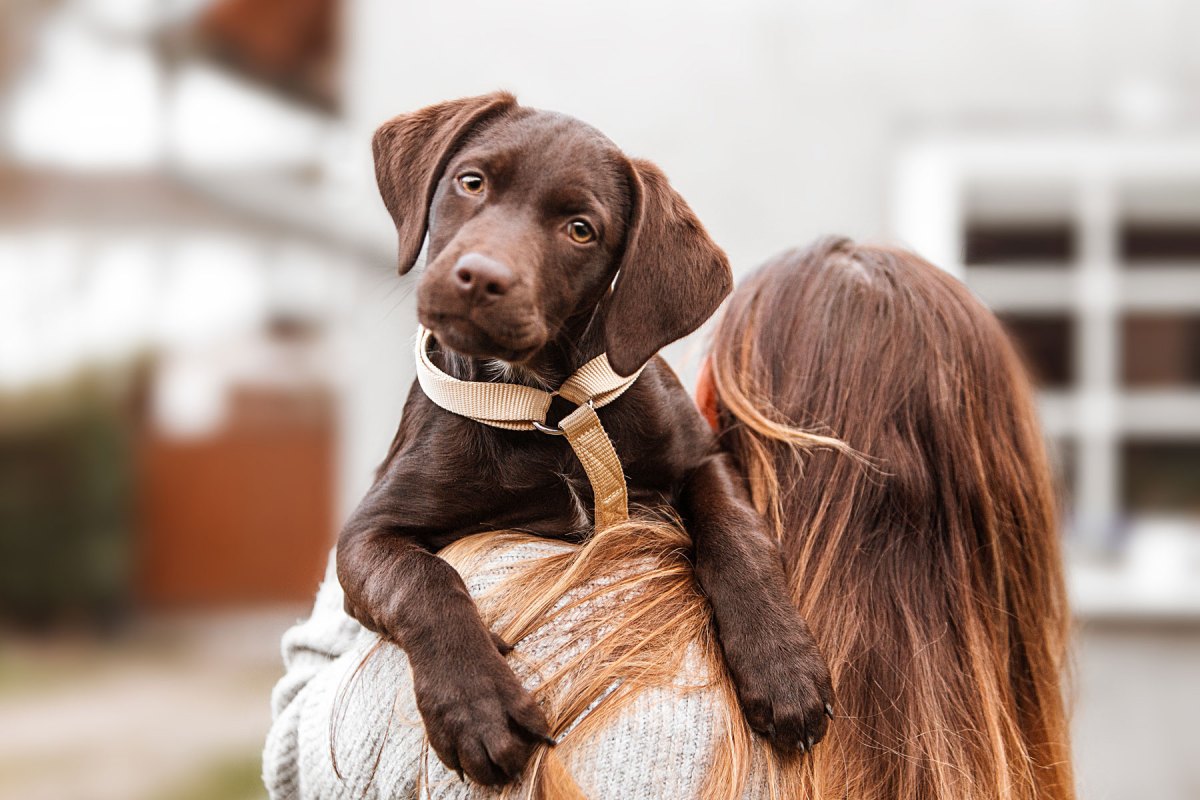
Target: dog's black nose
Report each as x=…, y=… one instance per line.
x=482, y=278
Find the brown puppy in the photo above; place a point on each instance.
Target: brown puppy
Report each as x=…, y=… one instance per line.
x=531, y=216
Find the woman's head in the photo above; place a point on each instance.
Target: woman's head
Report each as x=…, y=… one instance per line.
x=921, y=541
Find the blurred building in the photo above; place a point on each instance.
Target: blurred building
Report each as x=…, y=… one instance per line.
x=155, y=286
x=1087, y=244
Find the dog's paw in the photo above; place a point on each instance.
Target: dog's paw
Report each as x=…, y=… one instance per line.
x=784, y=687
x=481, y=721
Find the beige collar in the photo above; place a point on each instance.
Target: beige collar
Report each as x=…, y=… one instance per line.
x=523, y=408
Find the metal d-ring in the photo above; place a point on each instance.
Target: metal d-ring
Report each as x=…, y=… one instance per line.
x=556, y=431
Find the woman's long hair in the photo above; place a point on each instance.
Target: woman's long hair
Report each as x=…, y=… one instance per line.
x=932, y=575
x=888, y=434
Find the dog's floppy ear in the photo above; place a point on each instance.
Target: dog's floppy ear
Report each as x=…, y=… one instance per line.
x=411, y=152
x=672, y=275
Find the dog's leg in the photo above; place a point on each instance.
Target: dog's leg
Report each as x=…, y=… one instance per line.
x=781, y=678
x=479, y=718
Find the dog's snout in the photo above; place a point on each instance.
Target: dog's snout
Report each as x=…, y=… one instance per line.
x=481, y=278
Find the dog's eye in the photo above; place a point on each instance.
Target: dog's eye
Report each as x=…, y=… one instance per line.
x=471, y=182
x=580, y=231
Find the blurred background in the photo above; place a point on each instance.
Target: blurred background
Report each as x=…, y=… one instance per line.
x=204, y=347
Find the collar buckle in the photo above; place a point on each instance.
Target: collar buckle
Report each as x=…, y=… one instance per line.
x=537, y=426
x=541, y=427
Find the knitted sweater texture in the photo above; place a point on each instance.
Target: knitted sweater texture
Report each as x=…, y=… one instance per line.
x=661, y=745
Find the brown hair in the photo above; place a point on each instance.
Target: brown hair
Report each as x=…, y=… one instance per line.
x=932, y=576
x=888, y=433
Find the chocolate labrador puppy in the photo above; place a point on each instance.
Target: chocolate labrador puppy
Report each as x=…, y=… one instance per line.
x=548, y=246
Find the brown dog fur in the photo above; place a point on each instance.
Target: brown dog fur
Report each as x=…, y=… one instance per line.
x=510, y=295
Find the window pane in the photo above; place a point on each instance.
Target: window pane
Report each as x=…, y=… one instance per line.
x=1160, y=223
x=1160, y=350
x=1047, y=344
x=1001, y=243
x=1161, y=476
x=1148, y=242
x=1019, y=223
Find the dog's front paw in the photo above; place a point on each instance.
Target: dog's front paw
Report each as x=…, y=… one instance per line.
x=481, y=721
x=784, y=687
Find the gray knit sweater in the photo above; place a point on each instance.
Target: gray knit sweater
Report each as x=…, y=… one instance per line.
x=659, y=746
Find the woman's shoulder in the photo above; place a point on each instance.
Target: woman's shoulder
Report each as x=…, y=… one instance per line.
x=354, y=729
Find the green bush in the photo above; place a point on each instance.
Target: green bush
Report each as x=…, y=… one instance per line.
x=66, y=488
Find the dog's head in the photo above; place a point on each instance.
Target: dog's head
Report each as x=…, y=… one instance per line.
x=531, y=218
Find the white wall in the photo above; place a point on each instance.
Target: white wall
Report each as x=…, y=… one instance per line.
x=777, y=119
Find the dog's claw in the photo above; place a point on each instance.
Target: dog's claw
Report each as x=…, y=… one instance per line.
x=550, y=740
x=810, y=743
x=461, y=779
x=829, y=710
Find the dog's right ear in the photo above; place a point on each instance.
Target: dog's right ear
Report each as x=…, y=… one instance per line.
x=411, y=152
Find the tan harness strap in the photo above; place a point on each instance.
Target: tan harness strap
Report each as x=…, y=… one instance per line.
x=595, y=381
x=523, y=408
x=501, y=405
x=590, y=442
